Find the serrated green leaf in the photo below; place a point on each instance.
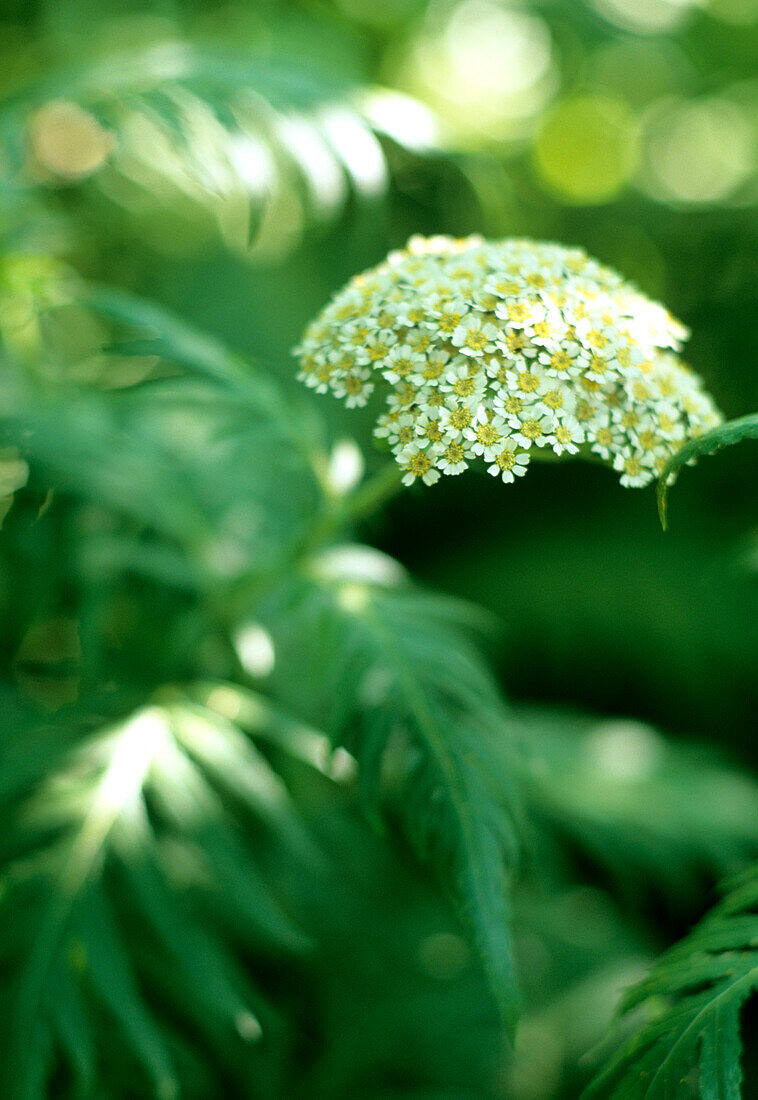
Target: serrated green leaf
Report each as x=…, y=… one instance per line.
x=396, y=682
x=686, y=1038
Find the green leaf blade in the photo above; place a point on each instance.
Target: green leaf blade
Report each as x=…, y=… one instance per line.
x=725, y=435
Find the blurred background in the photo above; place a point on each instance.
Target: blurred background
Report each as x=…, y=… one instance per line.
x=235, y=164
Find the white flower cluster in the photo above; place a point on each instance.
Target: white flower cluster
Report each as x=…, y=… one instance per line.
x=504, y=350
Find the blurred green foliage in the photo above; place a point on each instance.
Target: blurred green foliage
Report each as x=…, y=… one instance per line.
x=269, y=827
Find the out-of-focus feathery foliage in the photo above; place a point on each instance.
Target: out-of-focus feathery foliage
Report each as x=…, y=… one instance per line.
x=599, y=787
x=159, y=452
x=179, y=135
x=138, y=810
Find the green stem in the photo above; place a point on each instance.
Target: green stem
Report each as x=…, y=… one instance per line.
x=347, y=511
x=384, y=485
x=364, y=502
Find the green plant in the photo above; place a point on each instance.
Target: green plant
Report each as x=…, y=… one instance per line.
x=270, y=825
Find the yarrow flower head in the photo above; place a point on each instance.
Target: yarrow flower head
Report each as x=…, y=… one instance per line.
x=502, y=351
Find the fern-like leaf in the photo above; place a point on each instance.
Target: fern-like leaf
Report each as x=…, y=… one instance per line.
x=685, y=1014
x=390, y=675
x=134, y=850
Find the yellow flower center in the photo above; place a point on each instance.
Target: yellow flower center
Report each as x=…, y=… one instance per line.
x=460, y=418
x=418, y=464
x=477, y=341
x=532, y=429
x=528, y=382
x=448, y=321
x=487, y=435
x=464, y=387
